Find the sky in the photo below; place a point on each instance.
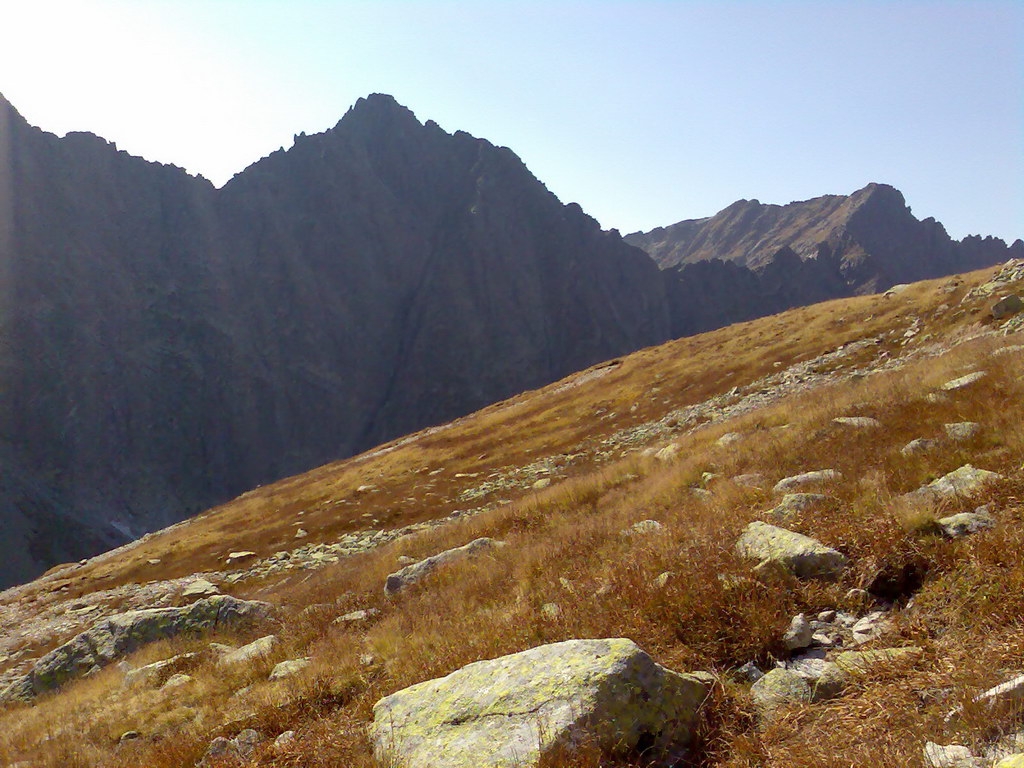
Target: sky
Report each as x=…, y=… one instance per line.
x=644, y=113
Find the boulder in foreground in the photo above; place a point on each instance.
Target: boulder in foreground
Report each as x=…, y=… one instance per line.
x=512, y=711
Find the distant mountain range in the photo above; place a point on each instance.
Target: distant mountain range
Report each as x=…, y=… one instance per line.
x=166, y=345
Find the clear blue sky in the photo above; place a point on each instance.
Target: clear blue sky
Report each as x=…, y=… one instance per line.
x=643, y=112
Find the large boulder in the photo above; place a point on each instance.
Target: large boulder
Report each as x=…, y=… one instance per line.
x=399, y=580
x=119, y=635
x=801, y=555
x=512, y=711
x=960, y=482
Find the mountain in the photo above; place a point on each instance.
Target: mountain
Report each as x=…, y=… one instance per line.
x=752, y=259
x=167, y=345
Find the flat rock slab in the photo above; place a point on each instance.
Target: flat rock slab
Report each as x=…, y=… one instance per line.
x=258, y=648
x=512, y=711
x=399, y=580
x=801, y=555
x=861, y=422
x=806, y=480
x=123, y=633
x=964, y=381
x=965, y=524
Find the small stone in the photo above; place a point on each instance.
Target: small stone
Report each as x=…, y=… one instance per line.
x=234, y=557
x=355, y=617
x=964, y=524
x=860, y=422
x=962, y=430
x=154, y=561
x=750, y=480
x=550, y=611
x=1006, y=306
x=952, y=756
x=798, y=634
x=199, y=588
x=367, y=659
x=176, y=681
x=748, y=673
x=919, y=446
x=817, y=477
x=541, y=484
x=963, y=381
x=643, y=527
x=870, y=627
x=246, y=742
x=668, y=453
x=288, y=668
x=827, y=616
x=129, y=736
x=779, y=688
x=285, y=740
x=800, y=502
x=301, y=533
x=707, y=478
x=729, y=438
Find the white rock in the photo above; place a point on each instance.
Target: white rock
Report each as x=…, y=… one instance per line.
x=798, y=634
x=964, y=381
x=952, y=756
x=262, y=647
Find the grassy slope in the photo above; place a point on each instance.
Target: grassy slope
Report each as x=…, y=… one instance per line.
x=565, y=547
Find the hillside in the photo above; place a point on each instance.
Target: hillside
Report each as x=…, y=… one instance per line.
x=892, y=391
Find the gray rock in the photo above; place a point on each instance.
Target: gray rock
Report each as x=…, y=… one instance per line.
x=114, y=637
x=668, y=453
x=662, y=580
x=150, y=674
x=285, y=740
x=965, y=523
x=729, y=438
x=963, y=381
x=1010, y=691
x=920, y=446
x=801, y=555
x=246, y=742
x=951, y=756
x=751, y=480
x=960, y=482
x=176, y=681
x=288, y=668
x=806, y=479
x=551, y=611
x=1006, y=306
x=962, y=430
x=257, y=649
x=748, y=673
x=502, y=713
x=413, y=573
x=869, y=627
x=199, y=588
x=860, y=422
x=221, y=749
x=357, y=617
x=798, y=634
x=779, y=688
x=643, y=527
x=800, y=502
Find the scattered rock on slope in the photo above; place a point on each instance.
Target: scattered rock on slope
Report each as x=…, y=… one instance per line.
x=123, y=633
x=399, y=580
x=806, y=479
x=803, y=556
x=514, y=710
x=960, y=482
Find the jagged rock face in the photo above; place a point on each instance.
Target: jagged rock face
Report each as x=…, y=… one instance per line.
x=166, y=345
x=751, y=260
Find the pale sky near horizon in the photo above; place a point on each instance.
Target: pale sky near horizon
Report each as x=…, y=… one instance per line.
x=644, y=113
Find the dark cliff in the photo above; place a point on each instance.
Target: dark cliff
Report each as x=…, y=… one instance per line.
x=752, y=259
x=167, y=345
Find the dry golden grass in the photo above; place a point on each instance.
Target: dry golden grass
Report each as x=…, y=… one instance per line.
x=566, y=547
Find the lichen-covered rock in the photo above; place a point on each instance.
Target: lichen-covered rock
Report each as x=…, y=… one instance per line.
x=259, y=648
x=860, y=422
x=399, y=580
x=962, y=430
x=119, y=635
x=965, y=523
x=750, y=480
x=1006, y=306
x=960, y=482
x=1012, y=761
x=806, y=479
x=779, y=688
x=801, y=555
x=950, y=756
x=846, y=665
x=800, y=502
x=288, y=668
x=798, y=634
x=964, y=381
x=919, y=446
x=511, y=711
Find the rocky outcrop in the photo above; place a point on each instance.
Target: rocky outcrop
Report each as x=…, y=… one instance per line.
x=512, y=711
x=415, y=572
x=119, y=635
